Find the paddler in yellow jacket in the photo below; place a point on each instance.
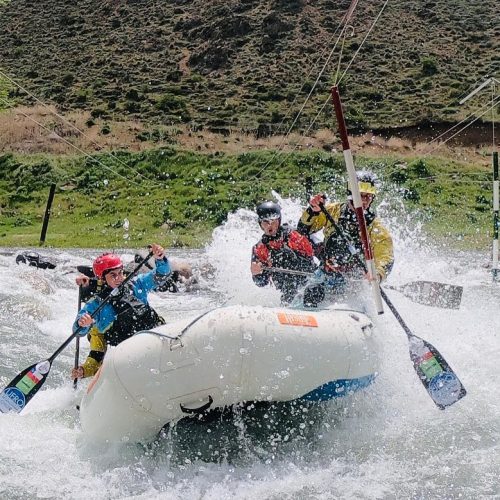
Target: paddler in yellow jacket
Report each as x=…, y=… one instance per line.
x=335, y=256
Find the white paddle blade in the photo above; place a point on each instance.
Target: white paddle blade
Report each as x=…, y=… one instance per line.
x=432, y=293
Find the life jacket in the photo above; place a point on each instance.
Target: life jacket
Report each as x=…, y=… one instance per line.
x=288, y=249
x=132, y=315
x=336, y=251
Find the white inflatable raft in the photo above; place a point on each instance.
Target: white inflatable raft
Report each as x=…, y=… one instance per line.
x=226, y=356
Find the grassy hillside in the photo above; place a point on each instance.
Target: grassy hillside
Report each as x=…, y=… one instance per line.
x=178, y=197
x=5, y=87
x=249, y=64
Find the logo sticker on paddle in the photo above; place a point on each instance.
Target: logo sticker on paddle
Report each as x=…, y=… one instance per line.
x=20, y=391
x=443, y=386
x=11, y=400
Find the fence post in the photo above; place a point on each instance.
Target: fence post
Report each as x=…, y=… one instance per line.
x=47, y=214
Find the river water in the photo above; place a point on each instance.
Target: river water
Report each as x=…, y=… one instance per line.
x=386, y=442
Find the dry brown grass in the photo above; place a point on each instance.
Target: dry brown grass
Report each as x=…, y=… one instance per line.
x=39, y=129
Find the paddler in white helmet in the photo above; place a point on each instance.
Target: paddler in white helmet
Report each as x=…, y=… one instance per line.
x=335, y=256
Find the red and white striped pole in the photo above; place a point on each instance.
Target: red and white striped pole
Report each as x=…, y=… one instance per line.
x=356, y=201
x=496, y=221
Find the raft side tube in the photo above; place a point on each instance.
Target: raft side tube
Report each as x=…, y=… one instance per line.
x=224, y=357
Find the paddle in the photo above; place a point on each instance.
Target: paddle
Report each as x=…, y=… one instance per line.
x=440, y=381
x=429, y=293
x=438, y=378
x=26, y=384
x=77, y=349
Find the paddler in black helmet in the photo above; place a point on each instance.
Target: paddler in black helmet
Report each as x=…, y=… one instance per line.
x=336, y=257
x=283, y=248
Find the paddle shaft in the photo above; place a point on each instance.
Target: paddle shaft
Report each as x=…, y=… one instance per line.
x=26, y=384
x=77, y=348
x=288, y=271
x=101, y=305
x=344, y=237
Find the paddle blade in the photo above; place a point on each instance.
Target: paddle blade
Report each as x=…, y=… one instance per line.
x=432, y=293
x=23, y=387
x=443, y=386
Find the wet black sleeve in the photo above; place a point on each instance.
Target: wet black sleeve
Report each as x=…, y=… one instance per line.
x=261, y=279
x=89, y=291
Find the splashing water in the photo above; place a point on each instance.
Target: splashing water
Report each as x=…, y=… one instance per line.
x=386, y=442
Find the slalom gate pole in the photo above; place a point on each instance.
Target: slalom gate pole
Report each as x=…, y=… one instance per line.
x=356, y=200
x=308, y=184
x=496, y=221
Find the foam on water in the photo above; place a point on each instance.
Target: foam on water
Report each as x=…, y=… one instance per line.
x=388, y=441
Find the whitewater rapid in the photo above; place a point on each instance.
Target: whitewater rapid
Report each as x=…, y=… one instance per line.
x=387, y=442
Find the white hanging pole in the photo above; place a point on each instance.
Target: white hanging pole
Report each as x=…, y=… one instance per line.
x=496, y=198
x=496, y=221
x=475, y=91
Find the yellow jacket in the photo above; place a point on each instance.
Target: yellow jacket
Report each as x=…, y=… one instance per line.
x=97, y=350
x=380, y=238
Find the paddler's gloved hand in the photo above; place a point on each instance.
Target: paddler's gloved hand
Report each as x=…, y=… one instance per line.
x=316, y=201
x=256, y=268
x=85, y=320
x=77, y=372
x=378, y=277
x=82, y=280
x=158, y=251
x=318, y=277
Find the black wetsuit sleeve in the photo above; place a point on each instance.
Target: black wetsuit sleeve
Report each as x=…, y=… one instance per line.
x=89, y=291
x=261, y=279
x=303, y=228
x=304, y=225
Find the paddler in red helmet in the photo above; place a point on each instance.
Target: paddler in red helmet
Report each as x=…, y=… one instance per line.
x=125, y=313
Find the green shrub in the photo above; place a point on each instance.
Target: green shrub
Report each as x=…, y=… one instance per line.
x=174, y=105
x=429, y=66
x=410, y=194
x=22, y=221
x=68, y=79
x=98, y=113
x=419, y=168
x=106, y=129
x=398, y=176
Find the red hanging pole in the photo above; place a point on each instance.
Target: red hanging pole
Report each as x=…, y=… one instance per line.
x=356, y=201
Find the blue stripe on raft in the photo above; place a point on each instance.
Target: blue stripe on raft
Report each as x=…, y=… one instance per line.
x=338, y=388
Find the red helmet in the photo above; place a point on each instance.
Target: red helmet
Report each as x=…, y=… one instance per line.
x=106, y=262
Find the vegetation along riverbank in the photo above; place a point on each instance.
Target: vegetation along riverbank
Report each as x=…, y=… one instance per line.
x=168, y=194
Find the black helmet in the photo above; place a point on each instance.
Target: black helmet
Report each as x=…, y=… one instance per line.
x=268, y=211
x=367, y=183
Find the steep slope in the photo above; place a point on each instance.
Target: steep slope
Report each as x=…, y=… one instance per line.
x=222, y=63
